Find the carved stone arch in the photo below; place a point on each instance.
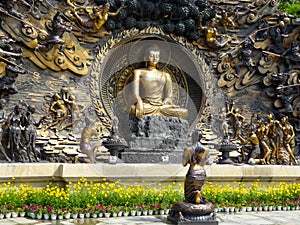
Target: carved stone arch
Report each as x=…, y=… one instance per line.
x=111, y=73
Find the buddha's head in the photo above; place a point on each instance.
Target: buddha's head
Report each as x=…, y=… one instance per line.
x=152, y=55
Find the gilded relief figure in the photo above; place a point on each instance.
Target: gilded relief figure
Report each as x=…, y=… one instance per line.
x=288, y=138
x=152, y=89
x=236, y=119
x=96, y=16
x=262, y=133
x=213, y=38
x=59, y=111
x=252, y=153
x=273, y=135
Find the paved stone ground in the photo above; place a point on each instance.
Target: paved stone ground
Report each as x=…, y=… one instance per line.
x=246, y=218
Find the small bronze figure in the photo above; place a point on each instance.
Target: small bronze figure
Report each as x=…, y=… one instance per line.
x=195, y=207
x=197, y=156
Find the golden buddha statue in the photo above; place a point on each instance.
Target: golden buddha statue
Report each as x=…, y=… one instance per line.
x=152, y=89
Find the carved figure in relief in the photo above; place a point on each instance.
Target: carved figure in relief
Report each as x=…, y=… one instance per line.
x=86, y=147
x=213, y=38
x=59, y=27
x=236, y=119
x=252, y=153
x=273, y=135
x=14, y=136
x=245, y=55
x=96, y=16
x=288, y=138
x=58, y=108
x=226, y=20
x=278, y=35
x=10, y=60
x=152, y=89
x=262, y=134
x=30, y=133
x=2, y=121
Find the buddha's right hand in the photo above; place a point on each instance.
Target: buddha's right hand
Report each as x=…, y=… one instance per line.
x=139, y=110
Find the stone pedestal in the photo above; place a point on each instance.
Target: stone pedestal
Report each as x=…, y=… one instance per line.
x=184, y=213
x=156, y=139
x=226, y=148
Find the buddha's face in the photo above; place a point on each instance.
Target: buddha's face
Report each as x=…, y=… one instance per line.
x=152, y=58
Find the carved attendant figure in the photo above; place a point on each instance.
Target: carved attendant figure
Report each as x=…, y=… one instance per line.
x=288, y=138
x=30, y=132
x=14, y=140
x=2, y=119
x=85, y=142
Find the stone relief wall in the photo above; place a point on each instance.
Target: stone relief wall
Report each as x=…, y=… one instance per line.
x=49, y=47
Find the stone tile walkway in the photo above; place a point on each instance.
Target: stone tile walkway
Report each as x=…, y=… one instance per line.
x=245, y=218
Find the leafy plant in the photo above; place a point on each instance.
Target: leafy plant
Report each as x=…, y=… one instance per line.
x=291, y=7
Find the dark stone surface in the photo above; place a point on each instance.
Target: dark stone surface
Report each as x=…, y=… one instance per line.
x=200, y=222
x=156, y=139
x=188, y=213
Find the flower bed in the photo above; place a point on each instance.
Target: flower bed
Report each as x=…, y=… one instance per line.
x=239, y=195
x=87, y=199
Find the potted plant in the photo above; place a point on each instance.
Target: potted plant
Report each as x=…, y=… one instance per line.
x=66, y=212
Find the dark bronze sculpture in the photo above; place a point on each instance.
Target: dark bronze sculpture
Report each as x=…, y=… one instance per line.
x=59, y=27
x=30, y=133
x=245, y=55
x=2, y=122
x=10, y=61
x=195, y=207
x=16, y=148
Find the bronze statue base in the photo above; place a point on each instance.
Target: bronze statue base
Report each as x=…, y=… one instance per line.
x=209, y=222
x=188, y=213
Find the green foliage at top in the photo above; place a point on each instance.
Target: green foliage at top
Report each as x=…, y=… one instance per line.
x=291, y=7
